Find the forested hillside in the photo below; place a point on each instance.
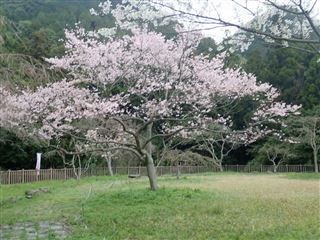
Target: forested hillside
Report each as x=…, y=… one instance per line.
x=294, y=72
x=35, y=27
x=32, y=30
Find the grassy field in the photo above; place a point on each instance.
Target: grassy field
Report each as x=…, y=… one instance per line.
x=210, y=206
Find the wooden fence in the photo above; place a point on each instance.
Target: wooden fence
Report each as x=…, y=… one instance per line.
x=27, y=176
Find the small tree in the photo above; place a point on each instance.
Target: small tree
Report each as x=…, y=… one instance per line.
x=218, y=140
x=275, y=151
x=306, y=130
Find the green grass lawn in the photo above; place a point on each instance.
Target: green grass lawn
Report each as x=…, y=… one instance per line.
x=210, y=206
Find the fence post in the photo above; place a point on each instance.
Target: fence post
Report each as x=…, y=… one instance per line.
x=287, y=168
x=128, y=170
x=260, y=167
x=237, y=168
x=65, y=174
x=9, y=176
x=249, y=168
x=22, y=175
x=139, y=170
x=51, y=174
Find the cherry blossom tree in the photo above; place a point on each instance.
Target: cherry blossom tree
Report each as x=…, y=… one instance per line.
x=150, y=86
x=293, y=23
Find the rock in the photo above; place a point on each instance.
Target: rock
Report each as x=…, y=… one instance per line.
x=44, y=190
x=134, y=176
x=30, y=193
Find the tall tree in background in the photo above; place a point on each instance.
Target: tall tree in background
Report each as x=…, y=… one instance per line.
x=294, y=73
x=311, y=89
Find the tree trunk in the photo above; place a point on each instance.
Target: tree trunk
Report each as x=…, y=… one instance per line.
x=315, y=159
x=109, y=163
x=152, y=174
x=76, y=171
x=275, y=168
x=273, y=160
x=178, y=171
x=220, y=167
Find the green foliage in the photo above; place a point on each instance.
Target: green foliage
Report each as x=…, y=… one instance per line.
x=207, y=46
x=40, y=24
x=293, y=72
x=311, y=89
x=18, y=152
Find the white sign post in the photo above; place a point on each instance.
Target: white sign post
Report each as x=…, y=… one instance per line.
x=38, y=165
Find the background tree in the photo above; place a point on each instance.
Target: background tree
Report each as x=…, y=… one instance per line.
x=306, y=130
x=218, y=140
x=311, y=88
x=289, y=70
x=273, y=151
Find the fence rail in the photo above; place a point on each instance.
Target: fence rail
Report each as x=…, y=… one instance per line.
x=27, y=176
